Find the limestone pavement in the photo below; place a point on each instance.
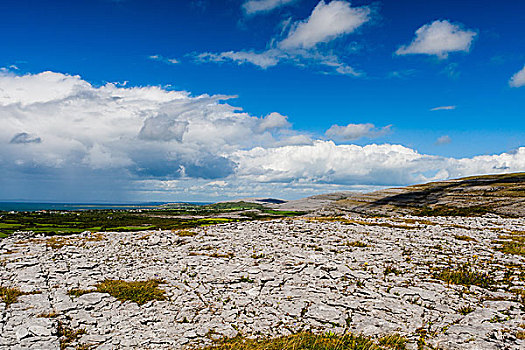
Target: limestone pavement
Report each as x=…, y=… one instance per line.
x=269, y=278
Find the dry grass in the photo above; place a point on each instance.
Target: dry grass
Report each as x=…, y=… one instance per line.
x=221, y=255
x=361, y=222
x=185, y=233
x=228, y=255
x=68, y=335
x=57, y=242
x=357, y=244
x=139, y=292
x=10, y=295
x=311, y=341
x=464, y=238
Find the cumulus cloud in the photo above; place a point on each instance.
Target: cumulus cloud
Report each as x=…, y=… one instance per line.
x=64, y=139
x=327, y=22
x=146, y=131
x=443, y=140
x=439, y=38
x=300, y=44
x=163, y=128
x=356, y=131
x=443, y=108
x=252, y=7
x=273, y=121
x=327, y=162
x=518, y=79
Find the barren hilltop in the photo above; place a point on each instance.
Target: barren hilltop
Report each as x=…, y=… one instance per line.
x=435, y=266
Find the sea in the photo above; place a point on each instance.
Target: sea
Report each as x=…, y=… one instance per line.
x=29, y=206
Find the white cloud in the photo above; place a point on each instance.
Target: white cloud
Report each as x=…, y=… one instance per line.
x=327, y=22
x=54, y=120
x=439, y=38
x=263, y=60
x=273, y=121
x=356, y=131
x=273, y=57
x=518, y=79
x=443, y=108
x=300, y=44
x=62, y=136
x=327, y=162
x=252, y=7
x=443, y=140
x=161, y=58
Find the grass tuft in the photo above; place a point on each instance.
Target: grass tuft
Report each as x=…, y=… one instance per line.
x=79, y=292
x=246, y=279
x=465, y=310
x=57, y=242
x=513, y=243
x=357, y=244
x=393, y=341
x=139, y=292
x=391, y=269
x=10, y=295
x=465, y=276
x=311, y=341
x=68, y=335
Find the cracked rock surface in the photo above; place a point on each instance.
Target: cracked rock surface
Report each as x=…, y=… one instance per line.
x=270, y=278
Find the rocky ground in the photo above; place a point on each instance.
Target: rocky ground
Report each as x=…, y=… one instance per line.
x=373, y=276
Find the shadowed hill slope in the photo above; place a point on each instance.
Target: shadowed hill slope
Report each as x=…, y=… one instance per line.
x=471, y=196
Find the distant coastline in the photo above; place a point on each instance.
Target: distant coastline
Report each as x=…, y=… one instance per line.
x=31, y=206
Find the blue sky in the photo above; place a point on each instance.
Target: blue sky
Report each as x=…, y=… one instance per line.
x=435, y=77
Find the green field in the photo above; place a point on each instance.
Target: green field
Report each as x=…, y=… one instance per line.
x=68, y=222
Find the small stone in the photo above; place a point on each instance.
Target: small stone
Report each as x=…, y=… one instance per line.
x=22, y=333
x=39, y=331
x=190, y=334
